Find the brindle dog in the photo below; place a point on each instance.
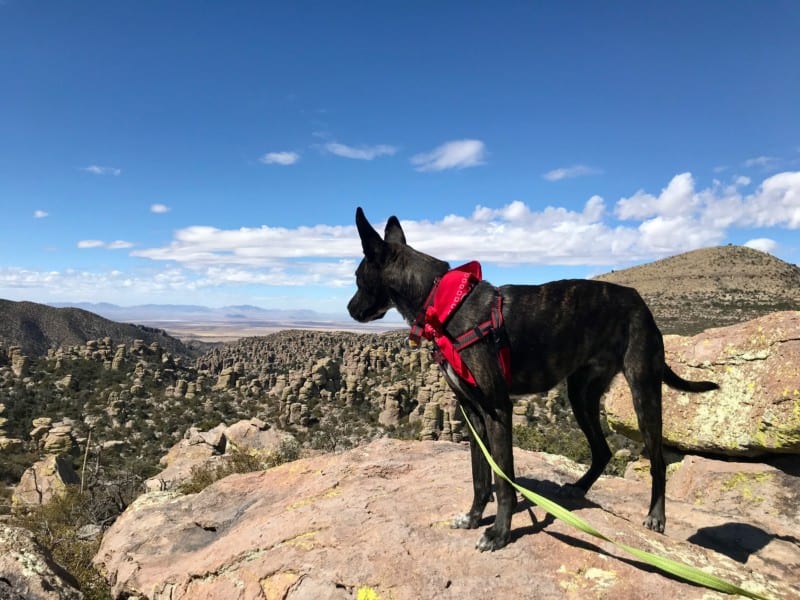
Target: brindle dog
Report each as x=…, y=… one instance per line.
x=584, y=331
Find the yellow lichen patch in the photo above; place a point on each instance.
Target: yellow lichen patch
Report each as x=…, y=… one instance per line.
x=602, y=579
x=367, y=593
x=443, y=524
x=592, y=577
x=672, y=467
x=569, y=585
x=277, y=585
x=746, y=484
x=332, y=493
x=304, y=541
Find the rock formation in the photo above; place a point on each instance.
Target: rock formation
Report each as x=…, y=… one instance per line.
x=7, y=444
x=28, y=573
x=43, y=480
x=757, y=410
x=375, y=520
x=205, y=448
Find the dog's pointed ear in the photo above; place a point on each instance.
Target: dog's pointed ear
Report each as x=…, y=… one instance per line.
x=371, y=240
x=394, y=232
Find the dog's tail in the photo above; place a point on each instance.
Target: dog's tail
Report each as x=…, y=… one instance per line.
x=673, y=380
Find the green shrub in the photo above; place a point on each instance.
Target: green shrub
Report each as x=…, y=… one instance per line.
x=238, y=461
x=571, y=442
x=552, y=440
x=55, y=527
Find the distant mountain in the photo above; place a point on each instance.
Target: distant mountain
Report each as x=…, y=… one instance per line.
x=38, y=327
x=157, y=313
x=713, y=287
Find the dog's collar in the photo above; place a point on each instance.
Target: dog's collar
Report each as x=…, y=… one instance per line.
x=447, y=293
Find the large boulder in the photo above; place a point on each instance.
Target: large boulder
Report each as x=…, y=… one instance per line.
x=211, y=448
x=27, y=572
x=256, y=437
x=43, y=480
x=197, y=448
x=757, y=410
x=375, y=522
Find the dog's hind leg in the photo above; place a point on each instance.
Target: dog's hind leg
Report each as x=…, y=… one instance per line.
x=585, y=387
x=481, y=474
x=643, y=371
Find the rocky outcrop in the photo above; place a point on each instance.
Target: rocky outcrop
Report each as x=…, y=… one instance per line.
x=757, y=410
x=28, y=573
x=43, y=480
x=374, y=522
x=20, y=363
x=257, y=437
x=7, y=444
x=206, y=448
x=54, y=438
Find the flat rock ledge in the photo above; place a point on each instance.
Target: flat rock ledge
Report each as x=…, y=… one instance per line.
x=374, y=522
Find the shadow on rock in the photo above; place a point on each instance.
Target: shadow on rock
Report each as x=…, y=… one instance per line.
x=786, y=463
x=552, y=491
x=735, y=540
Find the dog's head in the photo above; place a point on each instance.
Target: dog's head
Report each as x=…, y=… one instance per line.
x=373, y=298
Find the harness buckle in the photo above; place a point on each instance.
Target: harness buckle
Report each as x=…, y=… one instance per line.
x=412, y=344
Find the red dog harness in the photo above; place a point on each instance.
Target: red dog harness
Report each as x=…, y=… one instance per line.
x=445, y=297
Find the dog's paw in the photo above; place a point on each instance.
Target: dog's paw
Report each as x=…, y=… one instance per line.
x=492, y=540
x=464, y=521
x=655, y=523
x=570, y=490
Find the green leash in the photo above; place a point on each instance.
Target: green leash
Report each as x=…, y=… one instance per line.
x=667, y=565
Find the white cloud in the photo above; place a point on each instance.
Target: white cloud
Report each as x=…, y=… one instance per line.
x=458, y=154
x=360, y=153
x=201, y=246
x=80, y=285
x=571, y=172
x=118, y=245
x=98, y=170
x=664, y=235
x=775, y=202
x=40, y=214
x=91, y=244
x=115, y=245
x=761, y=162
x=675, y=199
x=680, y=217
x=280, y=158
x=159, y=208
x=764, y=244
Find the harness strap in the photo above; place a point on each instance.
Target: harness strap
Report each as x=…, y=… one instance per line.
x=495, y=327
x=477, y=333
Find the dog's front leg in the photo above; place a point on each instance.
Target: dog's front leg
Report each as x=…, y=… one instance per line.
x=481, y=472
x=498, y=429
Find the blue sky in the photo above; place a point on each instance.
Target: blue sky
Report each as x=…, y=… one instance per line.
x=214, y=153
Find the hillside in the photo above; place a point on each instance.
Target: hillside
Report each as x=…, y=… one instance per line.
x=37, y=328
x=713, y=287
